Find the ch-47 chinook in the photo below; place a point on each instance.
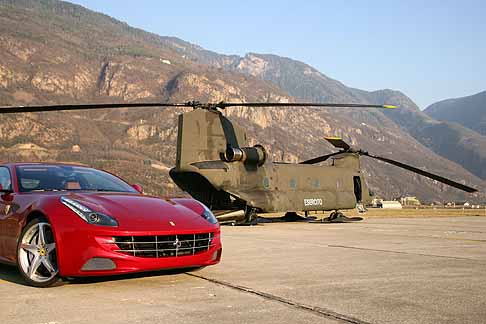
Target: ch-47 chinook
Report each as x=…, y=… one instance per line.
x=216, y=166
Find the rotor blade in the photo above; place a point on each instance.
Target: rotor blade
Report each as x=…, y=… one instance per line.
x=299, y=104
x=193, y=104
x=25, y=109
x=338, y=142
x=424, y=173
x=320, y=158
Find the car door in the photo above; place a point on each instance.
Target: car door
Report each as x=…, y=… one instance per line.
x=7, y=233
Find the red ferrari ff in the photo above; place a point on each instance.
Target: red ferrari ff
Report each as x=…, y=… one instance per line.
x=61, y=220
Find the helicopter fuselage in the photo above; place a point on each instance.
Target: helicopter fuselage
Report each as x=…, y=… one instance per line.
x=202, y=170
x=274, y=187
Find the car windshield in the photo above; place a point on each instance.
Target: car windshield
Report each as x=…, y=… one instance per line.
x=65, y=177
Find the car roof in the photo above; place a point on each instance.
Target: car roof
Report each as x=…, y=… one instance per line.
x=14, y=164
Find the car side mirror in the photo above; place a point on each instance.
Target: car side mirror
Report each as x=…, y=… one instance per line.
x=5, y=193
x=138, y=188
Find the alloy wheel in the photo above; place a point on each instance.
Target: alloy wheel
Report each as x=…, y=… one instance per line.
x=37, y=254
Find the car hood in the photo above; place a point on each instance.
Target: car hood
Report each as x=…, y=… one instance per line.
x=136, y=212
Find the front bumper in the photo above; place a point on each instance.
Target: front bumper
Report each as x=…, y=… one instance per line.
x=86, y=253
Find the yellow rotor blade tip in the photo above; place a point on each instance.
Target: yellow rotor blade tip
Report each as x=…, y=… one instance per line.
x=389, y=106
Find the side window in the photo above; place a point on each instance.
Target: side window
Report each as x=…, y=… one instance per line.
x=5, y=179
x=266, y=183
x=293, y=184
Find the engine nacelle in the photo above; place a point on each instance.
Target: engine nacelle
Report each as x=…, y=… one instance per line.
x=255, y=155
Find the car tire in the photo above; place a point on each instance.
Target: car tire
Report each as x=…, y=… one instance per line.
x=36, y=254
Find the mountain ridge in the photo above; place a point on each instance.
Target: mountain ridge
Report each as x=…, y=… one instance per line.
x=468, y=111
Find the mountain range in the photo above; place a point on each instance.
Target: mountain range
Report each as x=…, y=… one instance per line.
x=468, y=111
x=56, y=52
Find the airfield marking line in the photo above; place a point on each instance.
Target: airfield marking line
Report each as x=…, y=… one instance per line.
x=423, y=226
x=369, y=225
x=313, y=309
x=429, y=237
x=403, y=252
x=437, y=238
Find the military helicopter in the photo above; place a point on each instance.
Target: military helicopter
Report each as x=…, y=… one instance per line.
x=216, y=166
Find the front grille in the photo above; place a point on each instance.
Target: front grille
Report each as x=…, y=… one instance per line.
x=164, y=246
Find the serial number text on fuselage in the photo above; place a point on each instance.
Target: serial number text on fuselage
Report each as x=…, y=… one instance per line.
x=313, y=202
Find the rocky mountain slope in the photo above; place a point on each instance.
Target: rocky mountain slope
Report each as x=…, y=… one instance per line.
x=56, y=52
x=450, y=140
x=468, y=111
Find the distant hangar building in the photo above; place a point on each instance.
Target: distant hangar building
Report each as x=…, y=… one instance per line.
x=391, y=204
x=410, y=201
x=388, y=204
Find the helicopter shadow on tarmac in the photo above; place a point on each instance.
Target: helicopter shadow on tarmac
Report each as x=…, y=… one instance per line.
x=291, y=217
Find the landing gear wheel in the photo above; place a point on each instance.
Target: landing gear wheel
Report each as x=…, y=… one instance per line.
x=251, y=218
x=294, y=217
x=361, y=208
x=36, y=254
x=338, y=217
x=335, y=216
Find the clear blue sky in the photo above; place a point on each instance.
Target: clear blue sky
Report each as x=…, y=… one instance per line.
x=430, y=50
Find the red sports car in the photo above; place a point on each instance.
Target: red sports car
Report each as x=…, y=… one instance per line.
x=61, y=220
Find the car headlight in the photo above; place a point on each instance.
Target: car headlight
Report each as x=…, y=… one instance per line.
x=88, y=215
x=208, y=215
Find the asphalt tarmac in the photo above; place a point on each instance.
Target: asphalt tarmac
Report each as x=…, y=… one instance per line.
x=381, y=270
